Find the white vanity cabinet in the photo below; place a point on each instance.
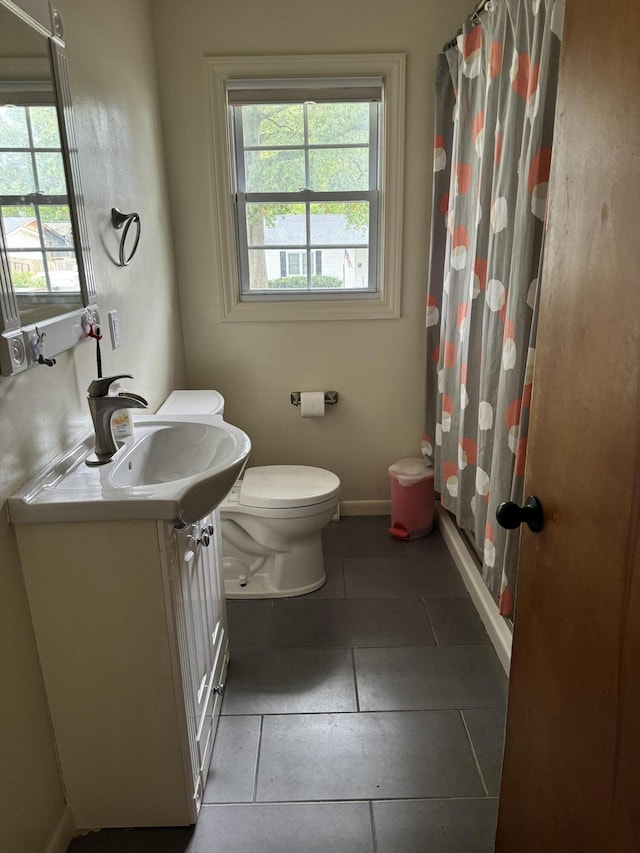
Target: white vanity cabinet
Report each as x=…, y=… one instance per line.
x=130, y=623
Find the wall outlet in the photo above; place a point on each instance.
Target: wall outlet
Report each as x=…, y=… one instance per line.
x=114, y=328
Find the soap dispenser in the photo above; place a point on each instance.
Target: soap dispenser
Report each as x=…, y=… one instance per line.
x=121, y=420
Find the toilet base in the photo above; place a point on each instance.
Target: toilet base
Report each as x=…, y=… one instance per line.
x=280, y=574
x=259, y=585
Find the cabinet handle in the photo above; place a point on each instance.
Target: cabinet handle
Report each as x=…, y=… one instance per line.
x=204, y=537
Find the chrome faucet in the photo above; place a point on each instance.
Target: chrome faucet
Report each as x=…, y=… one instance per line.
x=102, y=407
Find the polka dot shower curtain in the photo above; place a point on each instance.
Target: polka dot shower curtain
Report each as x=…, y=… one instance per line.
x=495, y=104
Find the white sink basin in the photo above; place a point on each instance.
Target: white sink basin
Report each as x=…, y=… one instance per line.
x=174, y=466
x=165, y=452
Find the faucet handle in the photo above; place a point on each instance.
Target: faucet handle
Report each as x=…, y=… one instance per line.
x=100, y=387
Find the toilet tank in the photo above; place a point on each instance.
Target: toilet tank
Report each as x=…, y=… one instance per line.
x=193, y=403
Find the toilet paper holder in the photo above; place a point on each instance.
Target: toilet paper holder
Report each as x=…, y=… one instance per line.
x=330, y=398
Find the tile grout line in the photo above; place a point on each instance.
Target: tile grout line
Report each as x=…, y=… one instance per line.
x=475, y=756
x=373, y=827
x=270, y=626
x=433, y=630
x=431, y=710
x=355, y=679
x=257, y=765
x=355, y=800
x=344, y=577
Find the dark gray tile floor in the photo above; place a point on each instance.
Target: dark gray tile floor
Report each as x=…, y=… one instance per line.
x=366, y=717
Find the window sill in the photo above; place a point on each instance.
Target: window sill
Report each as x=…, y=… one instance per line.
x=376, y=308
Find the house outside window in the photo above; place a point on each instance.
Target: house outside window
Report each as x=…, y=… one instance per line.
x=293, y=264
x=307, y=179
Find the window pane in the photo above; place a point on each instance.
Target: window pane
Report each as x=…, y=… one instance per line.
x=339, y=224
x=355, y=270
x=13, y=128
x=272, y=124
x=56, y=221
x=63, y=272
x=44, y=124
x=293, y=265
x=274, y=171
x=338, y=123
x=276, y=225
x=27, y=271
x=20, y=227
x=342, y=268
x=51, y=177
x=16, y=174
x=339, y=169
x=268, y=272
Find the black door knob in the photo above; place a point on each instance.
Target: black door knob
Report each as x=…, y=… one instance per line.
x=510, y=515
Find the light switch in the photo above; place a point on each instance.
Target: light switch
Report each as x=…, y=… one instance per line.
x=114, y=328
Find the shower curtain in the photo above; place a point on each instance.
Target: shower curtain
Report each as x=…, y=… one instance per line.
x=495, y=104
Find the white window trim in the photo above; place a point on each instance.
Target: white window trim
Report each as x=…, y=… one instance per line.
x=391, y=66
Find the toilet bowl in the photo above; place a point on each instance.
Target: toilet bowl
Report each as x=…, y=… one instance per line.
x=271, y=530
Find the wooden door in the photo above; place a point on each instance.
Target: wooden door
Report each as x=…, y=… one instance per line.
x=571, y=777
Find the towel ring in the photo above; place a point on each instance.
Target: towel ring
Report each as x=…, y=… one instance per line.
x=118, y=219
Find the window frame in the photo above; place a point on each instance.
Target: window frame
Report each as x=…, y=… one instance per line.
x=383, y=304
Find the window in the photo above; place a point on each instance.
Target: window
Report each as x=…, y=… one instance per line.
x=34, y=205
x=306, y=176
x=307, y=169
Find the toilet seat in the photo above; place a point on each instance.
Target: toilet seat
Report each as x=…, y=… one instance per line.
x=287, y=486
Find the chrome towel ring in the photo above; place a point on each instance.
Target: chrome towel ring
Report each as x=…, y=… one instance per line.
x=118, y=220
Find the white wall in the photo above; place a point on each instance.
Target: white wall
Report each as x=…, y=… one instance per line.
x=112, y=69
x=376, y=365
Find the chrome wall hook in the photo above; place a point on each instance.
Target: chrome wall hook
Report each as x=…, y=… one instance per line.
x=36, y=343
x=118, y=220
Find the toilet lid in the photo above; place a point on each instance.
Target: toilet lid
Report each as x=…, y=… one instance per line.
x=287, y=486
x=193, y=403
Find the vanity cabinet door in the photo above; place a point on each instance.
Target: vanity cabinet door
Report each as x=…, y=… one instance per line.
x=200, y=617
x=217, y=637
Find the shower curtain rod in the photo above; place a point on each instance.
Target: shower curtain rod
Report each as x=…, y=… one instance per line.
x=474, y=17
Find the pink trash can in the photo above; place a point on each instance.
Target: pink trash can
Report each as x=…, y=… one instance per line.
x=412, y=498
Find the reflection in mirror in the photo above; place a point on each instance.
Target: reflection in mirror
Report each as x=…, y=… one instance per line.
x=43, y=273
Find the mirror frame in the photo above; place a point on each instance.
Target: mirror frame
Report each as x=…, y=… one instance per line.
x=17, y=341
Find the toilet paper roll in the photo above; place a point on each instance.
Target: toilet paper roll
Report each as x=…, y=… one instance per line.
x=312, y=404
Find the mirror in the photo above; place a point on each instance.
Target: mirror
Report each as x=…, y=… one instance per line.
x=46, y=282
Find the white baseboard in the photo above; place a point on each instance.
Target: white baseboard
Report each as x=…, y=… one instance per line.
x=63, y=833
x=497, y=628
x=365, y=507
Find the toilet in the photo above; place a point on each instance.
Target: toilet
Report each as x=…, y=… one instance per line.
x=272, y=519
x=272, y=522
